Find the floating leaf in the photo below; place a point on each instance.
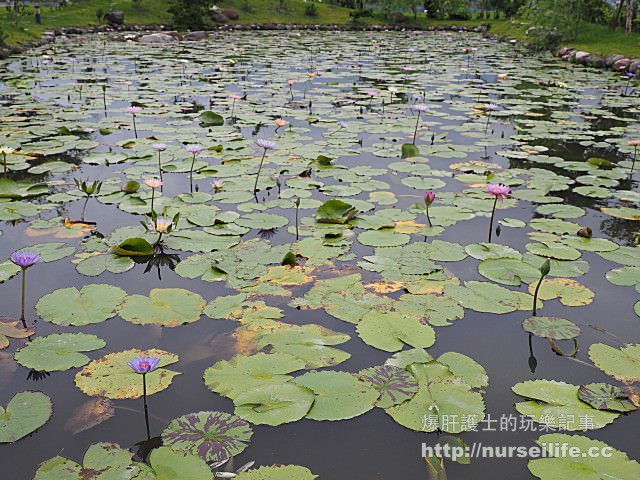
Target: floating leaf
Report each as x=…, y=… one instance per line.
x=134, y=247
x=242, y=373
x=58, y=351
x=213, y=436
x=570, y=292
x=277, y=472
x=583, y=465
x=94, y=303
x=394, y=384
x=102, y=461
x=621, y=363
x=554, y=328
x=335, y=211
x=391, y=331
x=111, y=377
x=166, y=463
x=168, y=307
x=274, y=404
x=556, y=404
x=338, y=395
x=25, y=413
x=603, y=396
x=210, y=119
x=12, y=330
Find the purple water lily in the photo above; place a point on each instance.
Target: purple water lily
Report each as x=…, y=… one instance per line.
x=24, y=259
x=144, y=364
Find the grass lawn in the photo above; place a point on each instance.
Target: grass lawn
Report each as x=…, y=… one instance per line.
x=592, y=38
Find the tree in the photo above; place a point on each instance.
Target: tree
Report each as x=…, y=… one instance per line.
x=627, y=26
x=190, y=14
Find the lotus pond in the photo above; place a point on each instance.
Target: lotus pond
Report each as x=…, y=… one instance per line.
x=296, y=231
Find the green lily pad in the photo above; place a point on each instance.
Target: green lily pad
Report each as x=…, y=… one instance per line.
x=391, y=331
x=168, y=307
x=134, y=247
x=165, y=463
x=381, y=238
x=274, y=404
x=243, y=373
x=25, y=413
x=570, y=292
x=338, y=395
x=621, y=363
x=556, y=404
x=583, y=465
x=335, y=211
x=277, y=472
x=92, y=304
x=58, y=351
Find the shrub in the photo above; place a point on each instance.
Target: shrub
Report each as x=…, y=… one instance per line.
x=545, y=38
x=189, y=14
x=397, y=17
x=99, y=14
x=311, y=10
x=245, y=6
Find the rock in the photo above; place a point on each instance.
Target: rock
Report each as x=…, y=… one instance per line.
x=218, y=17
x=115, y=17
x=580, y=56
x=174, y=34
x=594, y=60
x=621, y=64
x=196, y=36
x=156, y=38
x=634, y=65
x=611, y=59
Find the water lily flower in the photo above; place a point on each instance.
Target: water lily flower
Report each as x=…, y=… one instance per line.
x=217, y=185
x=489, y=107
x=163, y=225
x=429, y=197
x=499, y=191
x=144, y=364
x=153, y=183
x=193, y=149
x=280, y=123
x=417, y=108
x=291, y=83
x=5, y=150
x=502, y=76
x=265, y=145
x=24, y=259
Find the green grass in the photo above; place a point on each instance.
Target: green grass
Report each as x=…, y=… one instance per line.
x=592, y=38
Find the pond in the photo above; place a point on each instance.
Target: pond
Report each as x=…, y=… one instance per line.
x=301, y=283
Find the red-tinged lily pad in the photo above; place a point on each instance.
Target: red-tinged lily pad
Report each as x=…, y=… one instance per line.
x=606, y=397
x=394, y=384
x=213, y=436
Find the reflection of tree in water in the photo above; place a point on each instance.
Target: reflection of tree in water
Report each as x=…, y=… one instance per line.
x=626, y=232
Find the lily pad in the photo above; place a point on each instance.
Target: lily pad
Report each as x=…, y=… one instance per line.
x=554, y=328
x=25, y=413
x=335, y=211
x=274, y=404
x=93, y=303
x=102, y=461
x=111, y=377
x=168, y=307
x=394, y=384
x=58, y=351
x=213, y=436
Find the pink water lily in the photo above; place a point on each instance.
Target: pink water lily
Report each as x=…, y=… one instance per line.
x=498, y=190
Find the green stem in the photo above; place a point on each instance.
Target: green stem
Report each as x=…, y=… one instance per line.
x=233, y=107
x=493, y=211
x=135, y=129
x=24, y=276
x=535, y=296
x=84, y=207
x=153, y=194
x=191, y=172
x=159, y=166
x=415, y=131
x=633, y=163
x=486, y=127
x=297, y=207
x=159, y=239
x=255, y=186
x=146, y=409
x=428, y=219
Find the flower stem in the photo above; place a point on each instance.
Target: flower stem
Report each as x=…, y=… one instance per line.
x=24, y=275
x=159, y=239
x=159, y=166
x=191, y=172
x=486, y=127
x=415, y=131
x=255, y=186
x=633, y=163
x=146, y=409
x=493, y=212
x=135, y=129
x=535, y=296
x=4, y=156
x=84, y=207
x=428, y=219
x=153, y=194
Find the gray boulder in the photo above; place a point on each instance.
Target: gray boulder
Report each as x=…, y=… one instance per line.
x=196, y=36
x=156, y=38
x=115, y=17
